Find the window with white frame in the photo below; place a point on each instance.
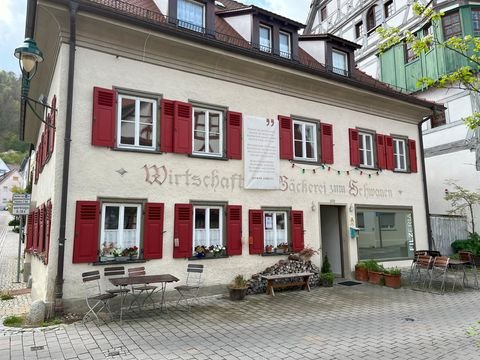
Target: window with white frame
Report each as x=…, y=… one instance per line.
x=305, y=140
x=265, y=35
x=275, y=228
x=207, y=132
x=285, y=45
x=120, y=229
x=400, y=154
x=137, y=120
x=191, y=15
x=340, y=62
x=366, y=147
x=207, y=227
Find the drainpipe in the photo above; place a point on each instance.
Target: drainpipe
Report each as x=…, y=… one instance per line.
x=73, y=7
x=424, y=180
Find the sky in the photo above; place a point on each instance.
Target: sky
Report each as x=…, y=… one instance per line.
x=12, y=23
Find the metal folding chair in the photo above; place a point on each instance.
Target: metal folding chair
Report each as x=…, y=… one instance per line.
x=421, y=271
x=117, y=271
x=467, y=256
x=439, y=272
x=414, y=262
x=138, y=290
x=96, y=300
x=192, y=285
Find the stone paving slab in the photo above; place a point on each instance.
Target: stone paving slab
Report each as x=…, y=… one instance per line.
x=358, y=322
x=8, y=271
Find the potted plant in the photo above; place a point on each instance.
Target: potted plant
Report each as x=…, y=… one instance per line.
x=200, y=251
x=393, y=277
x=307, y=253
x=282, y=248
x=269, y=249
x=238, y=288
x=130, y=252
x=326, y=275
x=361, y=271
x=375, y=272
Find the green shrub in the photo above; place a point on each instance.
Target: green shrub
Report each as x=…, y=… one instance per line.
x=372, y=265
x=360, y=265
x=14, y=222
x=326, y=279
x=393, y=271
x=326, y=268
x=15, y=321
x=471, y=244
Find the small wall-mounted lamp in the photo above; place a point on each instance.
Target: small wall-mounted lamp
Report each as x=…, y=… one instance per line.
x=350, y=208
x=29, y=55
x=314, y=208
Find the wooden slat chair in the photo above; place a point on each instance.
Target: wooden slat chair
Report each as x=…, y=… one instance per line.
x=96, y=300
x=192, y=285
x=467, y=256
x=421, y=272
x=138, y=290
x=439, y=272
x=414, y=263
x=117, y=271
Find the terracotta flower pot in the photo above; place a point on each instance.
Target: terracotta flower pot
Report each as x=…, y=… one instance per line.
x=237, y=293
x=374, y=277
x=361, y=274
x=393, y=281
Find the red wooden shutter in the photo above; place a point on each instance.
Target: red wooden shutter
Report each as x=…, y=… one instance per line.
x=35, y=229
x=41, y=228
x=234, y=230
x=389, y=160
x=45, y=145
x=103, y=126
x=40, y=154
x=53, y=117
x=327, y=143
x=29, y=243
x=234, y=135
x=354, y=147
x=182, y=134
x=48, y=224
x=37, y=165
x=86, y=241
x=183, y=231
x=255, y=239
x=166, y=125
x=296, y=218
x=381, y=158
x=412, y=153
x=286, y=138
x=153, y=231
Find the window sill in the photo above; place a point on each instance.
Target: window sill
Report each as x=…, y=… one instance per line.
x=221, y=158
x=306, y=162
x=363, y=167
x=194, y=258
x=137, y=261
x=277, y=254
x=143, y=151
x=401, y=171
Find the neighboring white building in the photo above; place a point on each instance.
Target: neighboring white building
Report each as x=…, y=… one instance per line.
x=452, y=152
x=3, y=168
x=217, y=126
x=7, y=181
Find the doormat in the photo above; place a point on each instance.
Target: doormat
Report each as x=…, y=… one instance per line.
x=349, y=283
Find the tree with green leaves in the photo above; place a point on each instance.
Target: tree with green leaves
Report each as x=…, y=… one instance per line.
x=463, y=200
x=468, y=47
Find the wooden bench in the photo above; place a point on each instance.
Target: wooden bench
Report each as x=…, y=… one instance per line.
x=272, y=281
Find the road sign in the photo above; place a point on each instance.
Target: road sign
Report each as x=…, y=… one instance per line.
x=21, y=202
x=21, y=197
x=23, y=210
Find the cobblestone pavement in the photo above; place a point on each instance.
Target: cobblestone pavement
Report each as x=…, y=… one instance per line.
x=8, y=270
x=359, y=322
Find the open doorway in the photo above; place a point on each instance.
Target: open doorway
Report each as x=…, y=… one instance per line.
x=334, y=237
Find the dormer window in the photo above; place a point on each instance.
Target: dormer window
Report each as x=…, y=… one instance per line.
x=191, y=15
x=340, y=62
x=265, y=34
x=285, y=45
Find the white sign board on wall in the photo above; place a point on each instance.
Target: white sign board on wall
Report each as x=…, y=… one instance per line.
x=261, y=153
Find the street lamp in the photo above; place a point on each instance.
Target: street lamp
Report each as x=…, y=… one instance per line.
x=29, y=55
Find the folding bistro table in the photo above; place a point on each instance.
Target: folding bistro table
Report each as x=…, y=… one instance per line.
x=162, y=279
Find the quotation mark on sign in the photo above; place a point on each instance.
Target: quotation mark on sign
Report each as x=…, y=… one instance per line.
x=270, y=122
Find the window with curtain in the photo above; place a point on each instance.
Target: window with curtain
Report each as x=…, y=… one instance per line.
x=305, y=140
x=208, y=227
x=285, y=45
x=366, y=147
x=275, y=228
x=265, y=34
x=207, y=132
x=340, y=62
x=191, y=15
x=400, y=154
